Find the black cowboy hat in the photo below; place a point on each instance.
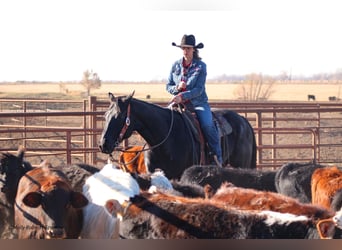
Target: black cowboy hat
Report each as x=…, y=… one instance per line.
x=189, y=41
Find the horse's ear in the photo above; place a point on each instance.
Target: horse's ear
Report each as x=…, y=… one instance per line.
x=111, y=97
x=131, y=95
x=21, y=152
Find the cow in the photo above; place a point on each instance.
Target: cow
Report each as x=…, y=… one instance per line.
x=191, y=190
x=251, y=199
x=326, y=186
x=106, y=191
x=164, y=216
x=77, y=174
x=214, y=176
x=158, y=180
x=12, y=168
x=132, y=160
x=153, y=181
x=46, y=207
x=294, y=179
x=311, y=97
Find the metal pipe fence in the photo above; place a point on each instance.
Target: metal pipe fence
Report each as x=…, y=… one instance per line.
x=70, y=131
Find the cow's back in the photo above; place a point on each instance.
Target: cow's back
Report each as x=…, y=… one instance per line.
x=294, y=180
x=161, y=216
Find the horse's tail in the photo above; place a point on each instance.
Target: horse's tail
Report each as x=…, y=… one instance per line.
x=254, y=151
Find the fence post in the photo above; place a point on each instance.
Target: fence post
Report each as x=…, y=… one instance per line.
x=274, y=136
x=259, y=141
x=93, y=126
x=68, y=146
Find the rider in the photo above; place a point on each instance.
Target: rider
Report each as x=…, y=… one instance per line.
x=187, y=83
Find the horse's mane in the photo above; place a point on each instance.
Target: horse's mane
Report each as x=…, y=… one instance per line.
x=148, y=103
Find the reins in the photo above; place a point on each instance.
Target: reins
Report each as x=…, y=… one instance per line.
x=125, y=127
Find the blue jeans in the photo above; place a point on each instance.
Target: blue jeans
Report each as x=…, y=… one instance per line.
x=209, y=129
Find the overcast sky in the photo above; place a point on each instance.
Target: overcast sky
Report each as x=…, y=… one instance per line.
x=130, y=40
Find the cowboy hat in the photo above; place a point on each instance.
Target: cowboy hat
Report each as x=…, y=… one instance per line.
x=189, y=41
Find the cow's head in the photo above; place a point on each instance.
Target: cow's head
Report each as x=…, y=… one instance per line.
x=54, y=211
x=46, y=206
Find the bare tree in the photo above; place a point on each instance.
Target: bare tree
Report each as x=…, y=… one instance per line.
x=255, y=87
x=90, y=80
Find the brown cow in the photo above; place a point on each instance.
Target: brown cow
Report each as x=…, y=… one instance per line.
x=132, y=160
x=46, y=206
x=325, y=185
x=251, y=199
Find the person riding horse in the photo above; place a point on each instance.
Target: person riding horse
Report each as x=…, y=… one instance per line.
x=186, y=82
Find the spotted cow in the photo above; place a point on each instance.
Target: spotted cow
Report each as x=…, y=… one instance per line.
x=165, y=216
x=251, y=199
x=106, y=191
x=162, y=215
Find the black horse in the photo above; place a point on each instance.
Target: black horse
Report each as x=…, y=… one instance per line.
x=173, y=146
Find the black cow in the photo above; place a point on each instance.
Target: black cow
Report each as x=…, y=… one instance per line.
x=12, y=168
x=77, y=174
x=294, y=180
x=214, y=176
x=311, y=97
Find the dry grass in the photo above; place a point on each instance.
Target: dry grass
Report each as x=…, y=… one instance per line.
x=216, y=91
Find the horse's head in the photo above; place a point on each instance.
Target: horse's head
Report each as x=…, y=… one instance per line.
x=117, y=123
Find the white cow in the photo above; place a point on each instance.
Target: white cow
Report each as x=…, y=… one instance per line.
x=106, y=191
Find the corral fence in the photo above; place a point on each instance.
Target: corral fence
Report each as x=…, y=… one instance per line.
x=67, y=132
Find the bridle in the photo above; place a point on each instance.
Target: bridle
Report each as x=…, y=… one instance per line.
x=125, y=127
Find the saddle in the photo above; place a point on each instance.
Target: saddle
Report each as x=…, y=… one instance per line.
x=189, y=115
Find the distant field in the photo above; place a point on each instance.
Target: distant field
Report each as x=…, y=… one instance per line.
x=281, y=92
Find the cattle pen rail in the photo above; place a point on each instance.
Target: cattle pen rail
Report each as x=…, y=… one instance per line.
x=70, y=130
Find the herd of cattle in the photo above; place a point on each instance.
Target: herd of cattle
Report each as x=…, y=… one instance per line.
x=297, y=201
